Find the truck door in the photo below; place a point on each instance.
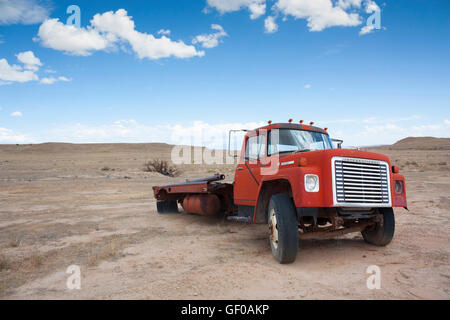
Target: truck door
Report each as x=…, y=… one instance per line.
x=248, y=171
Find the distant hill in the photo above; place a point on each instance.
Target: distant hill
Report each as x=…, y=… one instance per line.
x=82, y=148
x=418, y=143
x=422, y=143
x=414, y=143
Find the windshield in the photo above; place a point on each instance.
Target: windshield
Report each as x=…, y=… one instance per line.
x=293, y=140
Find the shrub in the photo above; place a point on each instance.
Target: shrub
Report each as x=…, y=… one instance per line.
x=15, y=242
x=161, y=166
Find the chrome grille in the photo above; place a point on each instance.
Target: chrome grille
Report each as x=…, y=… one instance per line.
x=361, y=182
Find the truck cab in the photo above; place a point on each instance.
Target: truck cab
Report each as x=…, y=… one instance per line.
x=297, y=168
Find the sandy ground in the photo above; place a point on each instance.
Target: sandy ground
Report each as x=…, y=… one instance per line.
x=92, y=206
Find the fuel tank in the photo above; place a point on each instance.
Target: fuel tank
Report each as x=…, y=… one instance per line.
x=203, y=204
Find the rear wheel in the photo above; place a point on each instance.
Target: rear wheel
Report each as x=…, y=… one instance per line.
x=283, y=226
x=167, y=207
x=382, y=232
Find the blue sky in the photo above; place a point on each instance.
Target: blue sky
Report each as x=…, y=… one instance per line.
x=100, y=83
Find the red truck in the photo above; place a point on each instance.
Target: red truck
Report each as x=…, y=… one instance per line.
x=294, y=178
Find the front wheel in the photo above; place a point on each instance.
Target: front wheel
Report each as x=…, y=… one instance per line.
x=283, y=226
x=382, y=232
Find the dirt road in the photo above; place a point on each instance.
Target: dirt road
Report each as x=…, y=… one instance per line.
x=92, y=206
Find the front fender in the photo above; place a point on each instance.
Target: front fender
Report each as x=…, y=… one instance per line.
x=398, y=200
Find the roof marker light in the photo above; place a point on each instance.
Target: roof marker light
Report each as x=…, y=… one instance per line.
x=325, y=129
x=311, y=123
x=269, y=122
x=301, y=121
x=290, y=120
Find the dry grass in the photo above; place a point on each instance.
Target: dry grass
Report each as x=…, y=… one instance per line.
x=161, y=166
x=33, y=262
x=111, y=250
x=28, y=264
x=5, y=264
x=15, y=242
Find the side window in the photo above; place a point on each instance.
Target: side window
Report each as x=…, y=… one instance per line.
x=256, y=147
x=251, y=150
x=274, y=138
x=262, y=146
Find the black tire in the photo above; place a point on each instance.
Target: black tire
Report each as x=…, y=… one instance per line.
x=286, y=247
x=382, y=233
x=164, y=207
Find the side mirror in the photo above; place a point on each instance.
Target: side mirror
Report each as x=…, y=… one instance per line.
x=338, y=142
x=234, y=155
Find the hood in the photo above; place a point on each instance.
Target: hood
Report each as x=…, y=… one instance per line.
x=319, y=157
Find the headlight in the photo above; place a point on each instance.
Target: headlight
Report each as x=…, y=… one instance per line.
x=399, y=186
x=311, y=183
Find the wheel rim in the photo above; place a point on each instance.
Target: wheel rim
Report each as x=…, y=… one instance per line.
x=273, y=228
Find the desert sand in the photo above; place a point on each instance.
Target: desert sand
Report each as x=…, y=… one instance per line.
x=92, y=206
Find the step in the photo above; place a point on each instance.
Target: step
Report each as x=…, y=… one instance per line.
x=240, y=219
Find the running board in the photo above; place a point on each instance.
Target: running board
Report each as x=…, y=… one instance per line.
x=240, y=219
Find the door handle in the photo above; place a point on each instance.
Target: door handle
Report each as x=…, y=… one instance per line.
x=239, y=168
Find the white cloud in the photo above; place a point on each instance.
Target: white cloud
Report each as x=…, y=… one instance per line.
x=52, y=80
x=270, y=26
x=30, y=61
x=376, y=120
x=31, y=64
x=427, y=129
x=16, y=114
x=347, y=4
x=10, y=136
x=307, y=86
x=215, y=135
x=22, y=11
x=371, y=6
x=256, y=7
x=210, y=40
x=15, y=73
x=164, y=32
x=197, y=133
x=376, y=131
x=366, y=30
x=106, y=31
x=320, y=14
x=77, y=41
